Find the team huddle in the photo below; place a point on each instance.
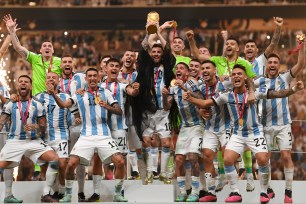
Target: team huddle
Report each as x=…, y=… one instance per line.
x=200, y=107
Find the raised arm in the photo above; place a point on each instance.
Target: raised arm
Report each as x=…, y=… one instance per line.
x=224, y=35
x=198, y=102
x=276, y=36
x=193, y=47
x=301, y=61
x=285, y=92
x=12, y=28
x=5, y=45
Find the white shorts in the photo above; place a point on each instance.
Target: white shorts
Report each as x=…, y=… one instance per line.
x=74, y=136
x=13, y=150
x=60, y=147
x=157, y=122
x=86, y=146
x=190, y=140
x=133, y=139
x=279, y=137
x=213, y=140
x=256, y=144
x=120, y=137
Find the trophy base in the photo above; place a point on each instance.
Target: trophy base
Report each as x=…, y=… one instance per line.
x=152, y=29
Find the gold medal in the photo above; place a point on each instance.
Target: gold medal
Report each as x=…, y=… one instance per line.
x=300, y=37
x=240, y=122
x=97, y=100
x=174, y=24
x=172, y=83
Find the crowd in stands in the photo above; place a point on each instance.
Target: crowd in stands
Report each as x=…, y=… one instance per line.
x=136, y=2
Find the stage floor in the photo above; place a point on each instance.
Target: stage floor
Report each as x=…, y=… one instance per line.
x=30, y=192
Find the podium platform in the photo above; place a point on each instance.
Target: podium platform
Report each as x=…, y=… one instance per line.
x=30, y=191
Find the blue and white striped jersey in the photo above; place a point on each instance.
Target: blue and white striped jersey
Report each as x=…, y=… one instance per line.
x=259, y=65
x=189, y=113
x=94, y=117
x=220, y=119
x=275, y=111
x=159, y=84
x=78, y=81
x=35, y=111
x=5, y=93
x=57, y=121
x=251, y=126
x=64, y=85
x=130, y=77
x=117, y=122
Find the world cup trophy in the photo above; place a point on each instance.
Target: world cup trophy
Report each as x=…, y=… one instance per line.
x=153, y=17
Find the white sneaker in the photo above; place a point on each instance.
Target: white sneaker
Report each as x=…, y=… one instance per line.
x=221, y=182
x=250, y=186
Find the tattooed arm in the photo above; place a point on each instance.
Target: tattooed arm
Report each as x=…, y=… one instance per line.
x=285, y=92
x=12, y=28
x=3, y=118
x=276, y=36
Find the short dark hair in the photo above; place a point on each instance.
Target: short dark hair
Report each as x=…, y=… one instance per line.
x=183, y=63
x=112, y=60
x=67, y=55
x=209, y=61
x=105, y=56
x=46, y=40
x=157, y=45
x=177, y=37
x=250, y=41
x=238, y=66
x=25, y=76
x=91, y=69
x=274, y=55
x=195, y=60
x=233, y=38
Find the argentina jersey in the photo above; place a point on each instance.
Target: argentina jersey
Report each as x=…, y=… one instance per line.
x=4, y=92
x=259, y=65
x=64, y=85
x=94, y=117
x=251, y=126
x=57, y=121
x=117, y=122
x=159, y=85
x=189, y=113
x=130, y=77
x=78, y=82
x=219, y=119
x=275, y=111
x=35, y=111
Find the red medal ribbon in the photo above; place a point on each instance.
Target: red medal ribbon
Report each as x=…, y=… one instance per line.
x=115, y=88
x=228, y=67
x=129, y=76
x=24, y=116
x=207, y=90
x=63, y=86
x=50, y=65
x=93, y=92
x=295, y=50
x=240, y=112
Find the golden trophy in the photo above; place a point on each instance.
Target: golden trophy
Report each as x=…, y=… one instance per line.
x=153, y=17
